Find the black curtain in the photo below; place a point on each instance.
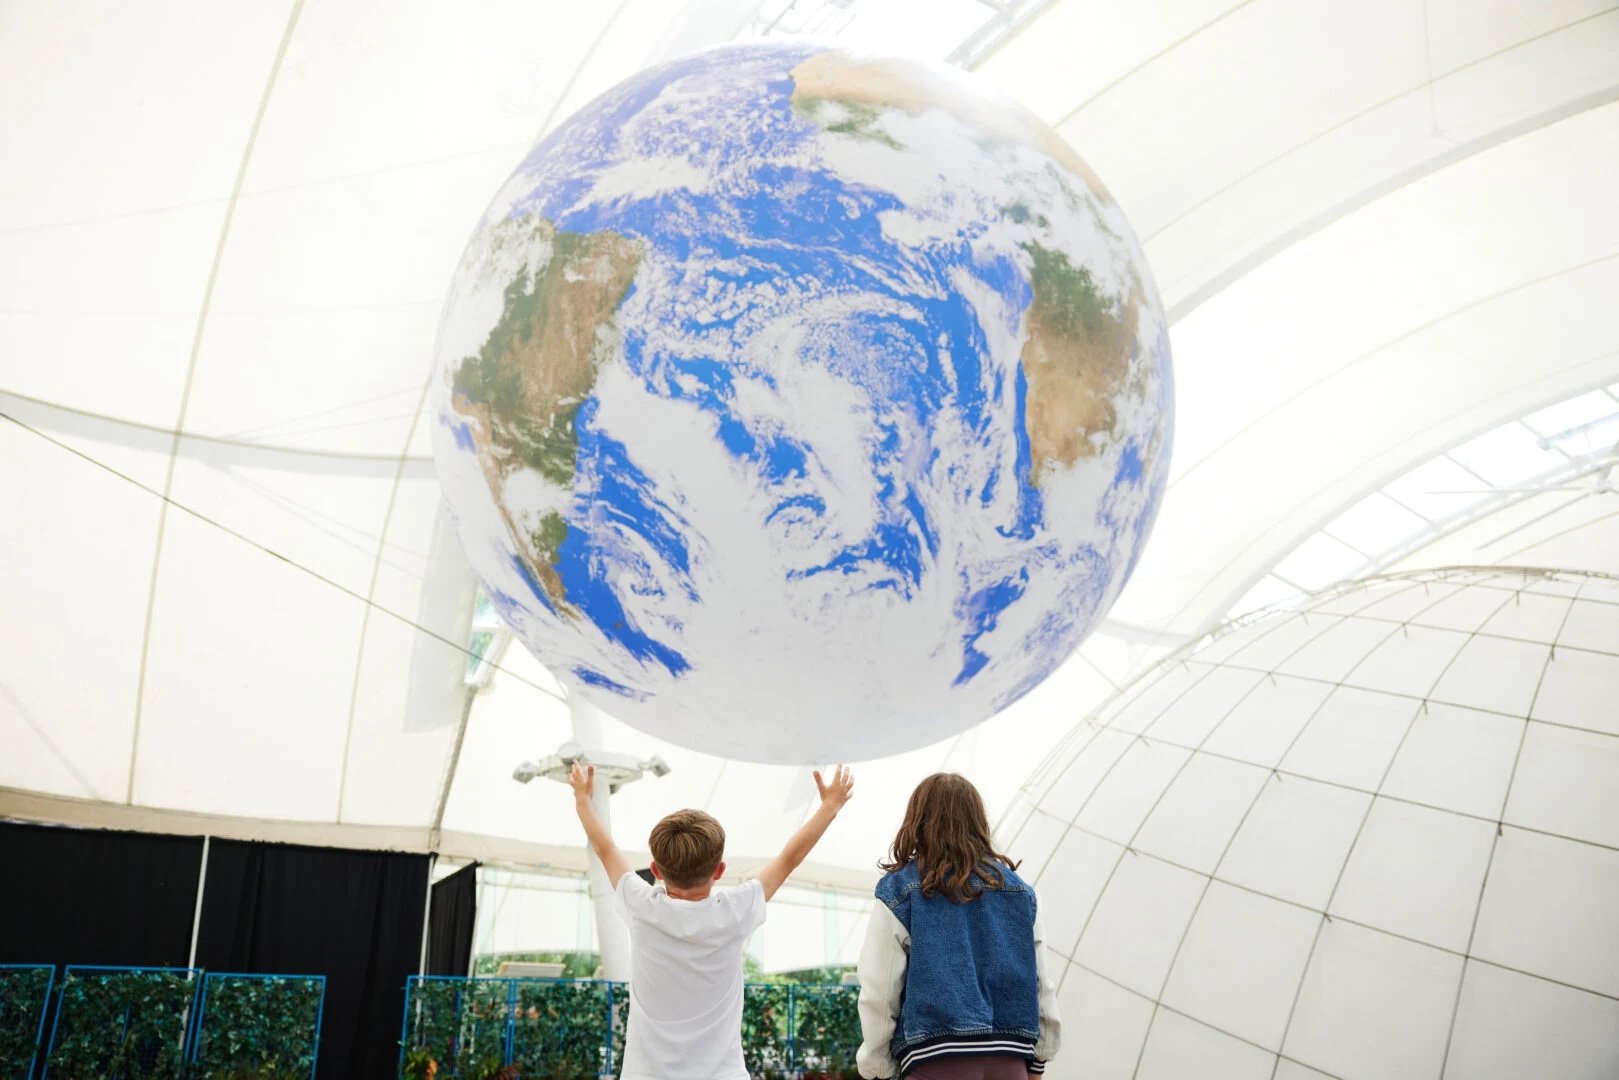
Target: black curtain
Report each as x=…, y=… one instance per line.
x=451, y=917
x=91, y=896
x=353, y=916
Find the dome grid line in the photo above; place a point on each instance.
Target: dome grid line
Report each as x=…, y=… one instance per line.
x=1449, y=599
x=1197, y=905
x=1506, y=799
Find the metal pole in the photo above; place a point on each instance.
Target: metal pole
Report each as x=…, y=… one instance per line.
x=196, y=916
x=612, y=936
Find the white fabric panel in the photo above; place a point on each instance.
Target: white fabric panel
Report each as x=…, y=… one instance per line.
x=1450, y=306
x=1241, y=963
x=1123, y=798
x=1198, y=815
x=1416, y=872
x=1262, y=728
x=1034, y=843
x=1179, y=1047
x=1548, y=909
x=1510, y=1026
x=1268, y=652
x=123, y=355
x=1372, y=1006
x=1079, y=780
x=1456, y=759
x=1529, y=617
x=143, y=137
x=76, y=547
x=1579, y=689
x=1593, y=626
x=1352, y=739
x=1107, y=1020
x=1410, y=660
x=1338, y=650
x=225, y=726
x=1133, y=932
x=1567, y=782
x=1493, y=673
x=1195, y=713
x=1070, y=885
x=1466, y=609
x=328, y=520
x=1295, y=840
x=380, y=749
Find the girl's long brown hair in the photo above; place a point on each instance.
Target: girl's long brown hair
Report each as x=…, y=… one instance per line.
x=946, y=833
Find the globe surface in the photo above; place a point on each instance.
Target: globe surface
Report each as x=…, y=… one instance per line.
x=798, y=406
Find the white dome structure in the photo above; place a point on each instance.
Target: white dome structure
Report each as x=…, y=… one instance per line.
x=1374, y=836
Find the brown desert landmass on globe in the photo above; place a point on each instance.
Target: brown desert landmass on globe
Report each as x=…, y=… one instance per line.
x=521, y=391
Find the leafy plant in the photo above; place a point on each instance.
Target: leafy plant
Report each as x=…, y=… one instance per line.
x=24, y=993
x=765, y=1008
x=124, y=1024
x=420, y=1064
x=258, y=1027
x=827, y=1030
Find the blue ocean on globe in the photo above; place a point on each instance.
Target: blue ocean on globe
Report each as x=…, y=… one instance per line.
x=795, y=405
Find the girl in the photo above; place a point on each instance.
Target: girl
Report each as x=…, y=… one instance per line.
x=953, y=984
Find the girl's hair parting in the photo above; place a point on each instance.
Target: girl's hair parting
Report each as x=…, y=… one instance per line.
x=946, y=833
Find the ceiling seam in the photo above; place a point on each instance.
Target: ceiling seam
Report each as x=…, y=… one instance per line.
x=404, y=457
x=185, y=392
x=1364, y=198
x=1322, y=520
x=214, y=440
x=1346, y=121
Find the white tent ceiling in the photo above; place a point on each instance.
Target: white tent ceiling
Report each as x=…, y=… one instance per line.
x=225, y=232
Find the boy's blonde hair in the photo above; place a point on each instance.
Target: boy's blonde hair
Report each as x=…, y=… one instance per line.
x=687, y=845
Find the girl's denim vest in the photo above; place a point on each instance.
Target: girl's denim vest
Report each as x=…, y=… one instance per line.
x=971, y=976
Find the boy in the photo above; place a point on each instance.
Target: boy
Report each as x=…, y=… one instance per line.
x=686, y=939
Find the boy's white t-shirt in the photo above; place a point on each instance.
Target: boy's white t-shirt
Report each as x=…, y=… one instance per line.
x=686, y=980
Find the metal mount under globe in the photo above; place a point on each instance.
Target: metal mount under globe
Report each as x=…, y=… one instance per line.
x=616, y=769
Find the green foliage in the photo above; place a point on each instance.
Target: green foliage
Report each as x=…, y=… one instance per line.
x=826, y=1030
x=765, y=1008
x=23, y=992
x=560, y=1028
x=458, y=1028
x=126, y=1024
x=257, y=1027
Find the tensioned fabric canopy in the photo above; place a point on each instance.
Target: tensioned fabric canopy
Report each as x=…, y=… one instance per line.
x=231, y=601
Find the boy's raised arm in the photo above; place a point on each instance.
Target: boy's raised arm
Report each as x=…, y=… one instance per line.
x=834, y=794
x=583, y=781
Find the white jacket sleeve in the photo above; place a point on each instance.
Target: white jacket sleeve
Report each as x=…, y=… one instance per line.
x=1050, y=1023
x=883, y=960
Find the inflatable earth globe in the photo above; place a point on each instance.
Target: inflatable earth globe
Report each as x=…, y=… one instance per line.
x=797, y=406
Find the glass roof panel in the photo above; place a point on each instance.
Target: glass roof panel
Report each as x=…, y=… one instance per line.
x=1510, y=454
x=1376, y=523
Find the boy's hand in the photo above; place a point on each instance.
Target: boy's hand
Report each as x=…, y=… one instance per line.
x=582, y=778
x=837, y=791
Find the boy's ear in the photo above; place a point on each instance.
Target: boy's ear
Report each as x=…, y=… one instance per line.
x=719, y=870
x=657, y=872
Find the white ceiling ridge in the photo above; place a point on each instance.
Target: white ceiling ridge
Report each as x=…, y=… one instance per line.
x=222, y=451
x=1384, y=478
x=1466, y=307
x=1387, y=477
x=1332, y=214
x=1427, y=84
x=1149, y=61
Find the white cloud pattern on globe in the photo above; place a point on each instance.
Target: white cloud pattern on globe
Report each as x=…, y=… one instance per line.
x=797, y=406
